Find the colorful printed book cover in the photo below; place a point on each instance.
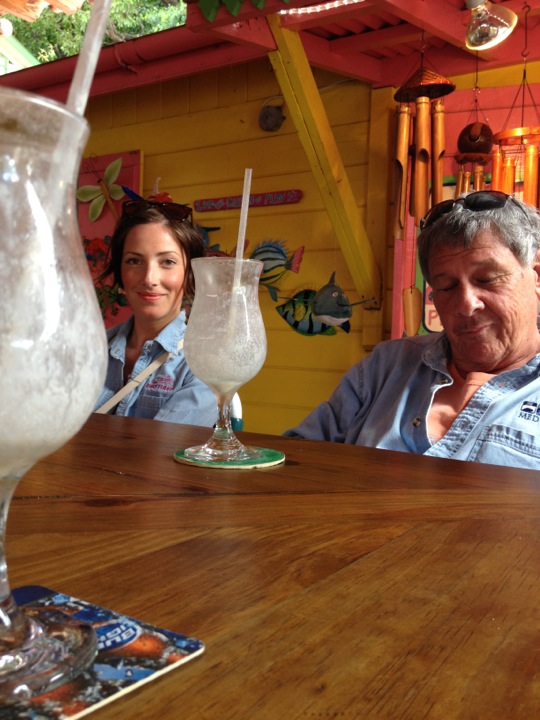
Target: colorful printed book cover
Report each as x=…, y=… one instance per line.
x=130, y=653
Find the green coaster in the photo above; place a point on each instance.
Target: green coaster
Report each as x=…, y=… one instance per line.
x=266, y=459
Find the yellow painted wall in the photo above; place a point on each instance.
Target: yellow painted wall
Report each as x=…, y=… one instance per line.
x=198, y=134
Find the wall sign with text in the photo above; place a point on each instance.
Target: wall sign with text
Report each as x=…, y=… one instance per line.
x=268, y=199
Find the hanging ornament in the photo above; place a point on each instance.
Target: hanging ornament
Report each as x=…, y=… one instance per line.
x=424, y=83
x=516, y=167
x=424, y=88
x=475, y=144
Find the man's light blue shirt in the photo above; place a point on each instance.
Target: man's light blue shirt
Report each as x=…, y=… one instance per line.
x=172, y=392
x=384, y=400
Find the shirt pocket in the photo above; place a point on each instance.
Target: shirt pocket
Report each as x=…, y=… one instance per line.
x=153, y=395
x=501, y=445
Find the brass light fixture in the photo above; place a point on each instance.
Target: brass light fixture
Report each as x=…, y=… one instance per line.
x=489, y=25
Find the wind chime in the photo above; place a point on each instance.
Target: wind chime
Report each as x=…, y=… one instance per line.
x=475, y=144
x=515, y=155
x=420, y=147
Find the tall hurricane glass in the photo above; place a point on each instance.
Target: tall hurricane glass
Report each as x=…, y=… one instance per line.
x=53, y=354
x=225, y=344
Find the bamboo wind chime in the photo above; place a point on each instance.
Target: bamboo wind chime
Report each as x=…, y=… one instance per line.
x=515, y=163
x=420, y=147
x=515, y=156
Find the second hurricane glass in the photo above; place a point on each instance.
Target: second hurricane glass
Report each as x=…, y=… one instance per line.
x=225, y=345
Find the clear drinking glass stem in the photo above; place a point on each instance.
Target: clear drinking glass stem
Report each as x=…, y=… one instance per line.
x=223, y=446
x=38, y=650
x=223, y=439
x=12, y=621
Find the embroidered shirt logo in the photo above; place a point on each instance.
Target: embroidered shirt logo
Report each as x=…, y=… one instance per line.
x=530, y=411
x=165, y=383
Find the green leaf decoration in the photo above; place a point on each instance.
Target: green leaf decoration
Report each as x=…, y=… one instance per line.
x=88, y=192
x=113, y=171
x=116, y=192
x=209, y=8
x=96, y=206
x=233, y=6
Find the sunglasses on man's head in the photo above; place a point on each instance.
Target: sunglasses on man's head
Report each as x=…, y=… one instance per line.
x=475, y=201
x=131, y=208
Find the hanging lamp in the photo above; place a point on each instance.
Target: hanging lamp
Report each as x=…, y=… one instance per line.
x=489, y=25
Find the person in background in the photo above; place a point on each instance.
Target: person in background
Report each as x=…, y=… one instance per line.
x=472, y=391
x=150, y=259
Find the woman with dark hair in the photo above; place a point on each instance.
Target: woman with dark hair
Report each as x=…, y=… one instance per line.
x=150, y=260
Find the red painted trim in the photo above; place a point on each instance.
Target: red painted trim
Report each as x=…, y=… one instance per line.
x=170, y=54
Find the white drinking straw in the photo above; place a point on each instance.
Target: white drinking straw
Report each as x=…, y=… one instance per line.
x=78, y=94
x=243, y=215
x=88, y=57
x=242, y=228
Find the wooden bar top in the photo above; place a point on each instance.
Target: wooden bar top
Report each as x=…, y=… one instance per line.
x=348, y=583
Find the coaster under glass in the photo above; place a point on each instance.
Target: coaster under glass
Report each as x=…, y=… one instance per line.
x=264, y=457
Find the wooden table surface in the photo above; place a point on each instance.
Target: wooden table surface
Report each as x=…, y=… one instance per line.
x=349, y=583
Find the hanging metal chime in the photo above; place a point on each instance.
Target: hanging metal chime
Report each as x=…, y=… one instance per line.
x=424, y=88
x=516, y=157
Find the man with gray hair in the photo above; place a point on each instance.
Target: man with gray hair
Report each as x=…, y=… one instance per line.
x=472, y=391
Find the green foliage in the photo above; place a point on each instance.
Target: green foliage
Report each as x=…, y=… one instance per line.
x=56, y=35
x=210, y=8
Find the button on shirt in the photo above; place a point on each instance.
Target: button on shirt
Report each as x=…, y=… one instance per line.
x=384, y=402
x=171, y=393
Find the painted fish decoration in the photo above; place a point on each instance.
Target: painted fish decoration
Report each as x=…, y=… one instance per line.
x=276, y=262
x=331, y=305
x=298, y=312
x=215, y=250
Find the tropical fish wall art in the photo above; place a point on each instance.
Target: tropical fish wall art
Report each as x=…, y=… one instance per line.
x=319, y=312
x=276, y=261
x=297, y=311
x=331, y=305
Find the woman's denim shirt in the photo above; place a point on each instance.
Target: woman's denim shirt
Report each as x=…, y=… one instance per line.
x=172, y=392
